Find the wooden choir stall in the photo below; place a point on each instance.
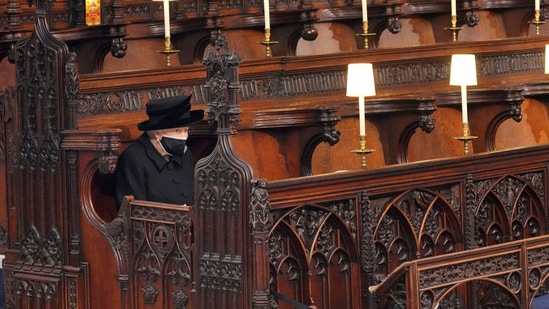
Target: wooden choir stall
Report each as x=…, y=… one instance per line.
x=276, y=217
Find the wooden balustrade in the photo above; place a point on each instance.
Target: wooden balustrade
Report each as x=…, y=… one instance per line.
x=514, y=270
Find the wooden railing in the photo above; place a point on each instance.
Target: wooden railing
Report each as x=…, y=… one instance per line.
x=515, y=270
x=354, y=229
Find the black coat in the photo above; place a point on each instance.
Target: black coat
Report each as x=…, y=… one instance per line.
x=144, y=173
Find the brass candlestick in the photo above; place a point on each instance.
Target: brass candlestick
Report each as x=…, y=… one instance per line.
x=363, y=151
x=168, y=51
x=365, y=34
x=466, y=138
x=537, y=20
x=268, y=42
x=454, y=28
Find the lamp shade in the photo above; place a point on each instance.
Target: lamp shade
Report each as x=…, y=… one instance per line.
x=360, y=80
x=463, y=70
x=547, y=59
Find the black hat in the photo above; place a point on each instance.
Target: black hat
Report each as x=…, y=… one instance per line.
x=170, y=112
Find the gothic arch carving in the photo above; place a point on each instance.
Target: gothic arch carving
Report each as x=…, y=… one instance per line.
x=309, y=245
x=417, y=223
x=509, y=208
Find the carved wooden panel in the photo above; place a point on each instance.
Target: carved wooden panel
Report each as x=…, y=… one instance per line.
x=160, y=256
x=316, y=244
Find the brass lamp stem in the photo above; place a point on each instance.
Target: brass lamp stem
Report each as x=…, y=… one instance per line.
x=454, y=28
x=168, y=51
x=363, y=151
x=466, y=138
x=268, y=42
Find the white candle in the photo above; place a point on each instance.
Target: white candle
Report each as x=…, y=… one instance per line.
x=454, y=10
x=464, y=104
x=364, y=10
x=361, y=117
x=266, y=8
x=537, y=5
x=167, y=18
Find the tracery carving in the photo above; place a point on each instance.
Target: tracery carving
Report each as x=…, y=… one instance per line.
x=36, y=250
x=276, y=243
x=305, y=222
x=415, y=217
x=486, y=267
x=346, y=211
x=495, y=296
x=479, y=189
x=221, y=274
x=536, y=181
x=219, y=176
x=414, y=205
x=516, y=199
x=38, y=290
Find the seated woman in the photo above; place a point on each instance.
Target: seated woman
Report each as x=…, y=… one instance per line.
x=158, y=166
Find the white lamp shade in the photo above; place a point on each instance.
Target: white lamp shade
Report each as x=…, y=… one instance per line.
x=360, y=80
x=463, y=70
x=547, y=59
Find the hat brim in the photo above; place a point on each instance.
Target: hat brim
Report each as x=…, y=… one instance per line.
x=195, y=117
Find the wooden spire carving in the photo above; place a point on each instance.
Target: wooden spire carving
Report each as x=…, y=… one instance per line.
x=222, y=190
x=42, y=265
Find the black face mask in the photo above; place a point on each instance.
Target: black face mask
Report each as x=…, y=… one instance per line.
x=173, y=146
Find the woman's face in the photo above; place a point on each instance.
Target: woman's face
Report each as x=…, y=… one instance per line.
x=182, y=132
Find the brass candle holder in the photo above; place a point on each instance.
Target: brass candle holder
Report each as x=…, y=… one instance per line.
x=537, y=20
x=168, y=51
x=454, y=28
x=365, y=34
x=466, y=138
x=268, y=42
x=363, y=151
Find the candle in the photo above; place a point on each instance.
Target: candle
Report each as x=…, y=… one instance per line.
x=453, y=2
x=361, y=117
x=537, y=5
x=167, y=18
x=364, y=10
x=266, y=8
x=464, y=104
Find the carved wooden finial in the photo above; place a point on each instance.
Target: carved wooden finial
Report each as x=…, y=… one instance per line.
x=222, y=84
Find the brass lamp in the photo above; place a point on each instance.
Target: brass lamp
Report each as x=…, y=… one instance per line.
x=463, y=72
x=360, y=83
